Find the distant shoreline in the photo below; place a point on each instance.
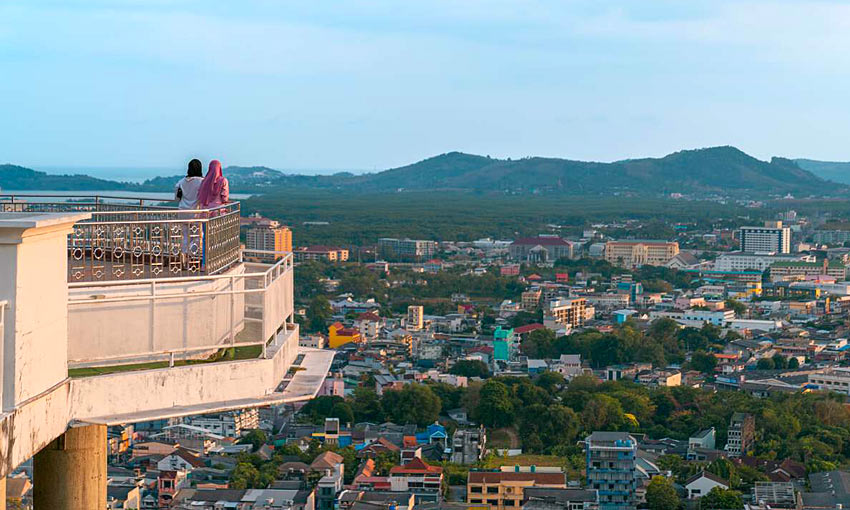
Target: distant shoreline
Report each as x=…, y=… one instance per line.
x=37, y=195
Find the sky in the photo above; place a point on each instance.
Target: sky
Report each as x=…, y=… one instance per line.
x=378, y=84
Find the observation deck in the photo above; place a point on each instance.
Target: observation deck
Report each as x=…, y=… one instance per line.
x=118, y=310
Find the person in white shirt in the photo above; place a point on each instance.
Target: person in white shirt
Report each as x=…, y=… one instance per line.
x=186, y=192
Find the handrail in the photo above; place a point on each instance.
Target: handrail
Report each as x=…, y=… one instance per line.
x=185, y=279
x=155, y=209
x=157, y=292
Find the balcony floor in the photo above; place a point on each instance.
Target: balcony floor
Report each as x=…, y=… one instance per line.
x=303, y=385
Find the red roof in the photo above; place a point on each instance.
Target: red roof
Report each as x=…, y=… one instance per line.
x=542, y=241
x=416, y=466
x=534, y=277
x=513, y=476
x=528, y=328
x=369, y=316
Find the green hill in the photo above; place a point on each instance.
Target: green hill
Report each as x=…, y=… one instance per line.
x=18, y=178
x=717, y=169
x=702, y=171
x=830, y=170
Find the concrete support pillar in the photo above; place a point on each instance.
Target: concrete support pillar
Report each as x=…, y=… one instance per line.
x=70, y=472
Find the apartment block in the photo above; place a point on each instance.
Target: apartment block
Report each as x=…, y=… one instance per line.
x=531, y=299
x=268, y=238
x=741, y=435
x=415, y=318
x=406, y=249
x=565, y=313
x=328, y=253
x=611, y=469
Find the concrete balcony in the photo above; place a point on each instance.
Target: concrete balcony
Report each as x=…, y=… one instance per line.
x=111, y=344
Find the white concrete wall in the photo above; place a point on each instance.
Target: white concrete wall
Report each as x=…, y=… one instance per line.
x=104, y=330
x=33, y=275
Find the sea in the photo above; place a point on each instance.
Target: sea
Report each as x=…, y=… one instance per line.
x=123, y=174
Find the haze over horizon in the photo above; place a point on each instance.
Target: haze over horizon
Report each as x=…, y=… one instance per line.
x=377, y=85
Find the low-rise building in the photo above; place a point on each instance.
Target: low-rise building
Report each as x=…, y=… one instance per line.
x=339, y=335
x=468, y=445
x=505, y=490
x=416, y=476
x=694, y=317
x=701, y=484
x=800, y=270
x=329, y=253
x=547, y=498
x=836, y=379
x=636, y=253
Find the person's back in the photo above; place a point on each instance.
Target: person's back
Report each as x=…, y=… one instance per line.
x=215, y=190
x=187, y=191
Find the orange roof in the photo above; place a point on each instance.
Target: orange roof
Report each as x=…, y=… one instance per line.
x=512, y=476
x=416, y=466
x=409, y=441
x=725, y=356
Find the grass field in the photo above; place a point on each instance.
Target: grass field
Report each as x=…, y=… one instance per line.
x=239, y=353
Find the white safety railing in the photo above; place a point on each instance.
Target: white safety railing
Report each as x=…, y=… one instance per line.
x=137, y=238
x=137, y=321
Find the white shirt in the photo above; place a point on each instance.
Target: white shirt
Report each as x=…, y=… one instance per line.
x=191, y=186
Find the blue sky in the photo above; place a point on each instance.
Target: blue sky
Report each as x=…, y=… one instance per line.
x=377, y=84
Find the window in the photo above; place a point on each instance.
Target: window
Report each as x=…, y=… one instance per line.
x=492, y=490
x=475, y=489
x=494, y=502
x=475, y=501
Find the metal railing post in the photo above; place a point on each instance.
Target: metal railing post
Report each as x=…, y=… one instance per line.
x=153, y=317
x=232, y=311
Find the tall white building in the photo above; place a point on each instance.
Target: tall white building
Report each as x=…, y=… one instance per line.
x=772, y=237
x=743, y=261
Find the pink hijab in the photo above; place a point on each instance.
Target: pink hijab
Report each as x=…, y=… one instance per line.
x=214, y=189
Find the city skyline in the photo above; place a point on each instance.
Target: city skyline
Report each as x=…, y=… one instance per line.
x=365, y=86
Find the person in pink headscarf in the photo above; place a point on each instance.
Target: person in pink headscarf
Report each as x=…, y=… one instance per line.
x=215, y=190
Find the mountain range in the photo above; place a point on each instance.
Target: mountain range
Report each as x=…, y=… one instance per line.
x=726, y=170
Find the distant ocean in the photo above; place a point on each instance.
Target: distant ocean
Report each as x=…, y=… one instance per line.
x=141, y=174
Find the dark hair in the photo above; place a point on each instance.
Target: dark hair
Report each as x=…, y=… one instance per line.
x=196, y=169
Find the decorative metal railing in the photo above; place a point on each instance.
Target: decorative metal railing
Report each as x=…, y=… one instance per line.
x=137, y=238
